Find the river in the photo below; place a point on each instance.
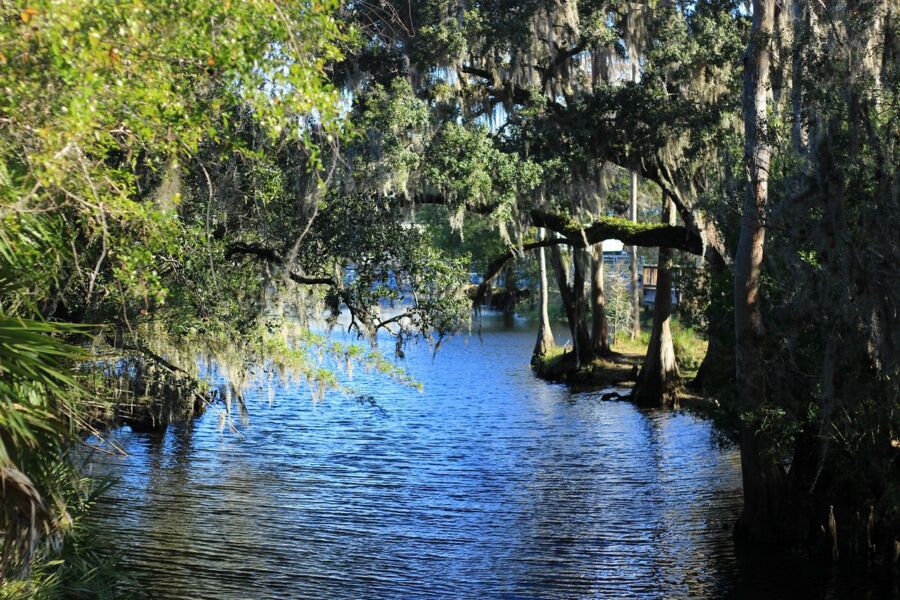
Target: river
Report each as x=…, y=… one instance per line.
x=488, y=484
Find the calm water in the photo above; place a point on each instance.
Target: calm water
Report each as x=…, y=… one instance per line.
x=490, y=483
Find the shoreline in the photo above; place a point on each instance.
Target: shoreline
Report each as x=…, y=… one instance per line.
x=618, y=370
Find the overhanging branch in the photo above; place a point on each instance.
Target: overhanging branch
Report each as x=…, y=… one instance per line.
x=272, y=256
x=579, y=236
x=497, y=265
x=651, y=235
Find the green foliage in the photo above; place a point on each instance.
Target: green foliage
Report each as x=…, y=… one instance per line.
x=200, y=178
x=397, y=123
x=99, y=97
x=415, y=148
x=476, y=242
x=80, y=563
x=557, y=76
x=105, y=106
x=38, y=397
x=465, y=164
x=619, y=313
x=390, y=262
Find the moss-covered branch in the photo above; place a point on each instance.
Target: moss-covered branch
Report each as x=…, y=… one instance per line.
x=611, y=228
x=606, y=228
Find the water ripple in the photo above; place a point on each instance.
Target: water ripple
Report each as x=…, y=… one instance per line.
x=489, y=484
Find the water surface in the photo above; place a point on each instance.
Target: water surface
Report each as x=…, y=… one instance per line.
x=489, y=483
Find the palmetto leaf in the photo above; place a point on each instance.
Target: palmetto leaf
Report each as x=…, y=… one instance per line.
x=36, y=388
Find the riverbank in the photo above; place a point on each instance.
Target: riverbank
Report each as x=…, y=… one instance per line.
x=561, y=366
x=621, y=367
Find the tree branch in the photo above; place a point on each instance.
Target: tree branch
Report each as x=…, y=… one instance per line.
x=262, y=252
x=497, y=265
x=561, y=57
x=653, y=235
x=271, y=255
x=578, y=236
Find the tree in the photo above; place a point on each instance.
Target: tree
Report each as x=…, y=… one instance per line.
x=102, y=101
x=658, y=380
x=818, y=109
x=201, y=174
x=761, y=477
x=599, y=324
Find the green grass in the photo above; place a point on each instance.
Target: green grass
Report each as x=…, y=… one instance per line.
x=690, y=348
x=624, y=344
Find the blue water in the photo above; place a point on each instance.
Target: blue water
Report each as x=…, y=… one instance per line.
x=489, y=483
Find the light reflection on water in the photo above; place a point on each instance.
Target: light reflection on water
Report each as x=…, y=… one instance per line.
x=490, y=483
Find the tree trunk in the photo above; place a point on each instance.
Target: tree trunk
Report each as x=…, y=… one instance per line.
x=717, y=368
x=545, y=334
x=763, y=478
x=507, y=298
x=584, y=350
x=599, y=325
x=799, y=133
x=657, y=382
x=635, y=293
x=580, y=338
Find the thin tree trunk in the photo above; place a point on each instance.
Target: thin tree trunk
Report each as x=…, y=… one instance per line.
x=799, y=133
x=545, y=334
x=635, y=293
x=599, y=325
x=509, y=297
x=657, y=382
x=763, y=479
